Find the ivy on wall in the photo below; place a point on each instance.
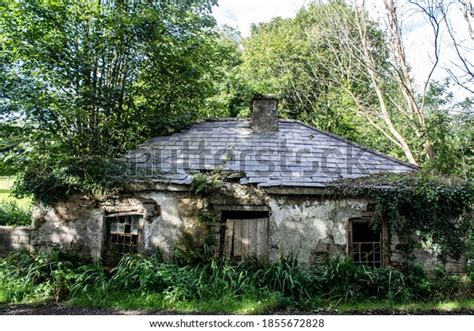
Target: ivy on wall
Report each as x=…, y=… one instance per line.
x=419, y=208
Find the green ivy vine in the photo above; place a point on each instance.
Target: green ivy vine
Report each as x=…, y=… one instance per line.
x=419, y=208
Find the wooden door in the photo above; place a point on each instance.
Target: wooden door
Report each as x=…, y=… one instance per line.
x=246, y=237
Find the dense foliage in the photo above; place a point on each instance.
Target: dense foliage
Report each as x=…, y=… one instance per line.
x=451, y=130
x=421, y=209
x=11, y=213
x=50, y=181
x=319, y=79
x=25, y=276
x=82, y=81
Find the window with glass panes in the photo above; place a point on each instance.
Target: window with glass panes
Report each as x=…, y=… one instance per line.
x=124, y=233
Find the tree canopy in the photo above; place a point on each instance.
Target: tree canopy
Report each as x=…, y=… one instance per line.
x=334, y=68
x=83, y=81
x=93, y=78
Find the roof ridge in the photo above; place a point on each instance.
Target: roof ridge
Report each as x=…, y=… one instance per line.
x=347, y=141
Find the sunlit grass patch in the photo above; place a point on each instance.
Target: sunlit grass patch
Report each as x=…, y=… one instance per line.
x=5, y=182
x=3, y=299
x=5, y=197
x=412, y=307
x=13, y=211
x=159, y=302
x=5, y=190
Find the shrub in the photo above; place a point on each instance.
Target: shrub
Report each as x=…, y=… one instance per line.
x=390, y=284
x=470, y=262
x=48, y=273
x=341, y=279
x=212, y=278
x=12, y=214
x=54, y=180
x=90, y=277
x=417, y=281
x=206, y=183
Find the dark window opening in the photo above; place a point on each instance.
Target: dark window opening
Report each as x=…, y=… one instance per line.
x=366, y=246
x=123, y=234
x=245, y=233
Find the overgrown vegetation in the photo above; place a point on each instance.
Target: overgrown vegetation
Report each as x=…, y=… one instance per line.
x=11, y=213
x=49, y=182
x=421, y=209
x=82, y=82
x=216, y=285
x=206, y=183
x=72, y=101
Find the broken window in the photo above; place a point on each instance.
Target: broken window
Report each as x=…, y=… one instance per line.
x=123, y=233
x=245, y=234
x=366, y=244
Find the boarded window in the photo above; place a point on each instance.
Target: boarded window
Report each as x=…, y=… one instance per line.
x=123, y=233
x=246, y=234
x=366, y=244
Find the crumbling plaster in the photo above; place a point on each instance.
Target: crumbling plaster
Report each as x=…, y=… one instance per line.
x=311, y=228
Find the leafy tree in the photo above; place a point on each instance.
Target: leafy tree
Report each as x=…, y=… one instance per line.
x=451, y=130
x=297, y=60
x=83, y=81
x=336, y=69
x=232, y=93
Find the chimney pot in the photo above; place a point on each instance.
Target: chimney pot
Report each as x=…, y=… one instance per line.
x=264, y=114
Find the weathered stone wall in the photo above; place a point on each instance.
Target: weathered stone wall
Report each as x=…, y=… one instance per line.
x=12, y=238
x=179, y=217
x=311, y=228
x=79, y=223
x=75, y=224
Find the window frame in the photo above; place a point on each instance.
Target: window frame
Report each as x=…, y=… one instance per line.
x=384, y=256
x=109, y=247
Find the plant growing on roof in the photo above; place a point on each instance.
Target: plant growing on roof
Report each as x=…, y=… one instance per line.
x=206, y=183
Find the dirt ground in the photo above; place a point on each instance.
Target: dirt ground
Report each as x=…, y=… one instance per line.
x=63, y=309
x=54, y=309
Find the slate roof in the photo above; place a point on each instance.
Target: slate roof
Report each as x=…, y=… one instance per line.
x=296, y=155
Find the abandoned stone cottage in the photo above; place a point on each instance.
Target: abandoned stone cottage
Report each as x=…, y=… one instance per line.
x=271, y=202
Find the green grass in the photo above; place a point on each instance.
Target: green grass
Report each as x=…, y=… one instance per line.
x=263, y=304
x=3, y=298
x=160, y=302
x=442, y=306
x=5, y=196
x=5, y=184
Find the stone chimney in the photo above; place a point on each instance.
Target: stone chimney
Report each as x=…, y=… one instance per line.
x=264, y=114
